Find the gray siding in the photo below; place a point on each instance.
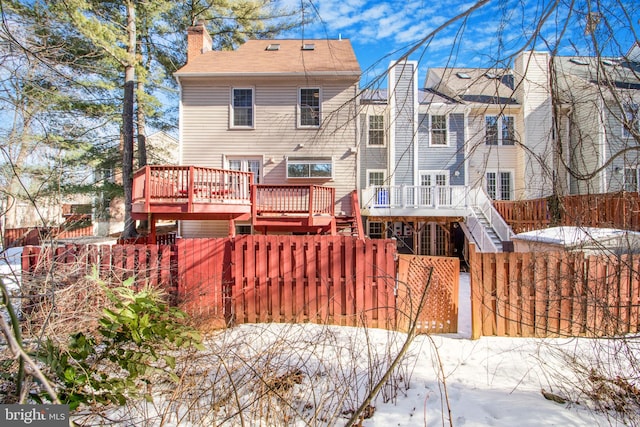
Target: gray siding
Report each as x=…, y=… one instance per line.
x=371, y=157
x=449, y=158
x=403, y=121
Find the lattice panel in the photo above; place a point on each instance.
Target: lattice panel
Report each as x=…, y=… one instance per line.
x=440, y=312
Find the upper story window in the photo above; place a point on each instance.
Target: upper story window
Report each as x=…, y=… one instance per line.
x=242, y=108
x=309, y=107
x=306, y=167
x=631, y=120
x=376, y=130
x=500, y=130
x=439, y=130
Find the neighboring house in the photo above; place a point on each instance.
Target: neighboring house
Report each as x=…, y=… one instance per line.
x=282, y=110
x=433, y=158
x=598, y=103
x=162, y=149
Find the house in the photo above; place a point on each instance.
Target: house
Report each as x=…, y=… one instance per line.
x=267, y=140
x=433, y=158
x=597, y=103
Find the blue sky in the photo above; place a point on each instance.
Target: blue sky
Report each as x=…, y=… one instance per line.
x=383, y=30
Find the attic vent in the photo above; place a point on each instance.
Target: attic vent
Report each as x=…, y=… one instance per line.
x=273, y=46
x=462, y=75
x=579, y=61
x=308, y=46
x=491, y=75
x=609, y=62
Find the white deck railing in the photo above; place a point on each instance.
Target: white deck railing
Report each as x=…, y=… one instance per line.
x=415, y=196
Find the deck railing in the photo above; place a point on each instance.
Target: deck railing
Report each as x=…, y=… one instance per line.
x=190, y=183
x=415, y=196
x=293, y=199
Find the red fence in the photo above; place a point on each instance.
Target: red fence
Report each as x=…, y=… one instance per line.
x=36, y=235
x=148, y=264
x=617, y=210
x=554, y=294
x=339, y=280
x=325, y=279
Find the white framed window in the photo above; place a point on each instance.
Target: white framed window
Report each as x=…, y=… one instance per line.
x=631, y=179
x=500, y=130
x=376, y=230
x=247, y=164
x=499, y=185
x=376, y=131
x=438, y=131
x=309, y=107
x=242, y=108
x=309, y=167
x=631, y=120
x=376, y=177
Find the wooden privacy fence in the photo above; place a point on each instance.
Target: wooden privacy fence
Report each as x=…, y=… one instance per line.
x=339, y=280
x=324, y=279
x=617, y=210
x=554, y=294
x=148, y=264
x=36, y=235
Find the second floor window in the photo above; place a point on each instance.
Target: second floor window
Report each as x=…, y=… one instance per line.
x=375, y=177
x=500, y=130
x=309, y=104
x=242, y=108
x=376, y=130
x=438, y=130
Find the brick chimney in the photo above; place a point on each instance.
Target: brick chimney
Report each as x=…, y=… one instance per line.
x=198, y=40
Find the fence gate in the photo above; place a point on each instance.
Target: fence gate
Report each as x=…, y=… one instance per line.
x=440, y=312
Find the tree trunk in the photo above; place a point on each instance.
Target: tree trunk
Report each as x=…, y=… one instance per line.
x=127, y=123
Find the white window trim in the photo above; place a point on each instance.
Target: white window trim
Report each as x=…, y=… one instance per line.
x=626, y=113
x=636, y=171
x=512, y=175
x=310, y=160
x=245, y=160
x=384, y=131
x=232, y=108
x=446, y=134
x=299, y=108
x=435, y=172
x=499, y=124
x=384, y=173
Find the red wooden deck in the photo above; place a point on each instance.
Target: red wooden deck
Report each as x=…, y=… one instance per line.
x=197, y=193
x=190, y=192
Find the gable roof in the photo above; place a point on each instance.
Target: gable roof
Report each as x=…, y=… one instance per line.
x=616, y=72
x=473, y=85
x=328, y=57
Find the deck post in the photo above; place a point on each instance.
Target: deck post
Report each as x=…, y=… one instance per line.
x=147, y=188
x=190, y=190
x=232, y=228
x=152, y=229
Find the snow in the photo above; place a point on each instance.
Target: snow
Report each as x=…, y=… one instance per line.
x=10, y=270
x=493, y=381
x=574, y=236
